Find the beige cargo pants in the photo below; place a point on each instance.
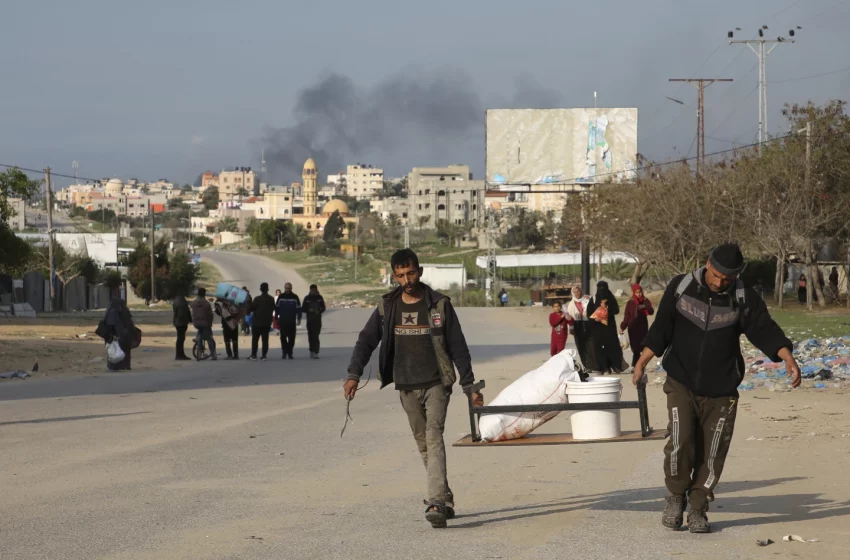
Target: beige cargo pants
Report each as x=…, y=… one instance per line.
x=426, y=411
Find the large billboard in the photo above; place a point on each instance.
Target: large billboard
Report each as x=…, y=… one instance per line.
x=560, y=146
x=100, y=247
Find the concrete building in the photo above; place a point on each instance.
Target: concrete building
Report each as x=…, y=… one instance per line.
x=309, y=177
x=17, y=220
x=338, y=178
x=364, y=181
x=444, y=193
x=231, y=182
x=208, y=179
x=391, y=205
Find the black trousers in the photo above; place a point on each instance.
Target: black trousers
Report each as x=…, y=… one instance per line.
x=231, y=340
x=287, y=338
x=314, y=328
x=257, y=332
x=181, y=341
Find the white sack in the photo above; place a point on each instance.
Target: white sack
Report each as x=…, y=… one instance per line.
x=114, y=353
x=545, y=385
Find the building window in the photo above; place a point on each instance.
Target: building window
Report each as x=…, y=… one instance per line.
x=309, y=225
x=420, y=207
x=441, y=207
x=427, y=191
x=441, y=193
x=404, y=215
x=427, y=205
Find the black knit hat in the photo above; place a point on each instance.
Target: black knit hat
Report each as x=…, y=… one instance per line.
x=727, y=259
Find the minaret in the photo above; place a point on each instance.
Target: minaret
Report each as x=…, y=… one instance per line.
x=310, y=187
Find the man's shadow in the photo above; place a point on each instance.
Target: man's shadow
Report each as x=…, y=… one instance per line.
x=765, y=509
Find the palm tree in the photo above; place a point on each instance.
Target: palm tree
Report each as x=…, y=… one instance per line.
x=393, y=223
x=421, y=221
x=227, y=224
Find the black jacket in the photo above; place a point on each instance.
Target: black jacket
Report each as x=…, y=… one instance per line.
x=449, y=342
x=263, y=308
x=313, y=307
x=699, y=335
x=288, y=309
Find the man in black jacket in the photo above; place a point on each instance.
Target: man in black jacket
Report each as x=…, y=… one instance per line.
x=288, y=315
x=697, y=329
x=421, y=343
x=263, y=308
x=313, y=306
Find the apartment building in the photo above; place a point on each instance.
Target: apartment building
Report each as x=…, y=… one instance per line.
x=444, y=193
x=364, y=181
x=240, y=179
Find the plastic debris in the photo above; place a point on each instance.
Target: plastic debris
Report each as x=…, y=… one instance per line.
x=793, y=538
x=764, y=542
x=17, y=374
x=820, y=359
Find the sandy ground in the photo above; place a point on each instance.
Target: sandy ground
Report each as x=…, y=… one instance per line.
x=65, y=344
x=244, y=460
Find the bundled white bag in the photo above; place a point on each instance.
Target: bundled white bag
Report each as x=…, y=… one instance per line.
x=624, y=342
x=545, y=385
x=114, y=353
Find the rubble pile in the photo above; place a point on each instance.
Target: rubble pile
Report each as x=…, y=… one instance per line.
x=824, y=363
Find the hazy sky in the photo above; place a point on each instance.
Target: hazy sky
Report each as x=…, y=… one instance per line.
x=171, y=88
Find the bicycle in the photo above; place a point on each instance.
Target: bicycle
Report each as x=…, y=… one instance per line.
x=199, y=348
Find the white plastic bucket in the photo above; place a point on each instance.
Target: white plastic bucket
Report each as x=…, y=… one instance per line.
x=595, y=424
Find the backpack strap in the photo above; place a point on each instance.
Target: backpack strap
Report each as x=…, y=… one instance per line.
x=683, y=285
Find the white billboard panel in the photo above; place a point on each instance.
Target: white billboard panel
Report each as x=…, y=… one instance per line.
x=560, y=146
x=100, y=247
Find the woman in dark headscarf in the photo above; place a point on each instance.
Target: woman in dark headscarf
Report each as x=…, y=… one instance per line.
x=602, y=310
x=120, y=323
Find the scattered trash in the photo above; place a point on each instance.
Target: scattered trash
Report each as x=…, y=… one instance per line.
x=17, y=374
x=764, y=543
x=793, y=538
x=746, y=386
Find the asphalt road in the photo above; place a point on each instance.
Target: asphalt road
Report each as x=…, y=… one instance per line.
x=244, y=459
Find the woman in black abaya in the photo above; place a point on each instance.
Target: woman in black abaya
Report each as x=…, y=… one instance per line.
x=609, y=354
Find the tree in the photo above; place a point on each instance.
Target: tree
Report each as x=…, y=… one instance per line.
x=139, y=269
x=182, y=275
x=210, y=198
x=524, y=232
x=186, y=188
x=14, y=183
x=393, y=223
x=334, y=230
x=201, y=241
x=104, y=216
x=242, y=192
x=14, y=251
x=228, y=223
x=67, y=265
x=420, y=223
x=78, y=212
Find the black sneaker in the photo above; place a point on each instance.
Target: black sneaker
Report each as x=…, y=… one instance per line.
x=698, y=521
x=674, y=512
x=263, y=359
x=436, y=516
x=291, y=357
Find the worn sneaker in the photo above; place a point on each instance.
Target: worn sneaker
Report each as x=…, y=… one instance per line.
x=674, y=512
x=263, y=359
x=698, y=521
x=436, y=516
x=250, y=358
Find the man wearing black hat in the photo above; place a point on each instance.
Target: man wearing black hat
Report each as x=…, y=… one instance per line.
x=697, y=329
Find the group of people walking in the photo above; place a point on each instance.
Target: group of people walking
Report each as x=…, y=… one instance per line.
x=258, y=316
x=593, y=323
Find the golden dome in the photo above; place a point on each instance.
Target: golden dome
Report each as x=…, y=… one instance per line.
x=309, y=164
x=333, y=205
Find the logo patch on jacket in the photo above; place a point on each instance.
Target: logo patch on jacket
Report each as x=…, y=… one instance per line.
x=437, y=319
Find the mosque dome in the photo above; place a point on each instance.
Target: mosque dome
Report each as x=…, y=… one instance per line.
x=309, y=165
x=333, y=205
x=114, y=187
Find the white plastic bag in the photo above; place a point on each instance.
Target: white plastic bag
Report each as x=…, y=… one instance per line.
x=544, y=385
x=624, y=341
x=114, y=353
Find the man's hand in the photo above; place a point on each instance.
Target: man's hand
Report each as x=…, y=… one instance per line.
x=349, y=389
x=791, y=367
x=477, y=399
x=639, y=368
x=794, y=373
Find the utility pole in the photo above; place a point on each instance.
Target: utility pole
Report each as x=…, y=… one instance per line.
x=700, y=84
x=48, y=193
x=406, y=236
x=153, y=243
x=356, y=246
x=811, y=275
x=492, y=267
x=758, y=47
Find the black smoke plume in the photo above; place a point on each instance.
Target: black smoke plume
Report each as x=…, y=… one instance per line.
x=408, y=119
